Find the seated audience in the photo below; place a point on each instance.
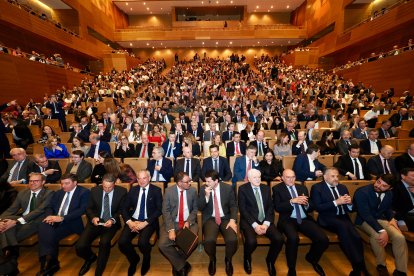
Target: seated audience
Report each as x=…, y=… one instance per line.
x=78, y=132
x=55, y=149
x=282, y=146
x=217, y=163
x=50, y=169
x=171, y=147
x=301, y=145
x=160, y=167
x=124, y=149
x=383, y=163
x=235, y=147
x=307, y=166
x=78, y=166
x=385, y=131
x=371, y=145
x=352, y=165
x=361, y=132
x=405, y=160
x=243, y=164
x=47, y=132
x=403, y=200
x=97, y=146
x=18, y=171
x=188, y=164
x=326, y=144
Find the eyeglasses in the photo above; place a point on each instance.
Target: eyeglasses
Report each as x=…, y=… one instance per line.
x=35, y=181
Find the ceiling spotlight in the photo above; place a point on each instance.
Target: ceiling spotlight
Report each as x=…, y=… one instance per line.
x=147, y=44
x=144, y=3
x=231, y=42
x=131, y=9
x=161, y=43
x=152, y=47
x=202, y=2
x=231, y=2
x=216, y=42
x=126, y=4
x=287, y=7
x=258, y=42
x=162, y=8
x=268, y=10
x=130, y=44
x=257, y=7
x=203, y=43
x=147, y=9
x=271, y=7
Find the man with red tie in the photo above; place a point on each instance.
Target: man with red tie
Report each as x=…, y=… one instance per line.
x=144, y=149
x=236, y=147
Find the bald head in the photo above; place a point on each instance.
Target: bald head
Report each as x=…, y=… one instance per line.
x=387, y=151
x=289, y=177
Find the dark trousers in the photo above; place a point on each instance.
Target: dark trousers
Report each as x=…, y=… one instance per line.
x=350, y=240
x=309, y=228
x=250, y=242
x=126, y=247
x=84, y=244
x=409, y=220
x=49, y=237
x=210, y=232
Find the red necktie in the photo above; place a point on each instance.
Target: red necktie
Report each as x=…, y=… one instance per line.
x=237, y=148
x=143, y=151
x=249, y=167
x=181, y=211
x=216, y=209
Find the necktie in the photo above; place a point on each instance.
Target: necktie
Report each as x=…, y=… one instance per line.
x=261, y=216
x=215, y=165
x=249, y=167
x=296, y=206
x=302, y=148
x=293, y=135
x=212, y=136
x=336, y=196
x=195, y=133
x=378, y=199
x=260, y=153
x=32, y=202
x=216, y=209
x=181, y=211
x=386, y=171
x=106, y=211
x=65, y=205
x=169, y=150
x=15, y=174
x=237, y=148
x=187, y=167
x=157, y=172
x=141, y=216
x=230, y=135
x=358, y=176
x=386, y=134
x=143, y=151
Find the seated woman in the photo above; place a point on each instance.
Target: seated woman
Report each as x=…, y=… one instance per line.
x=47, y=132
x=191, y=142
x=247, y=134
x=326, y=144
x=115, y=135
x=54, y=149
x=277, y=123
x=282, y=147
x=124, y=148
x=99, y=169
x=135, y=134
x=271, y=168
x=156, y=136
x=127, y=174
x=222, y=146
x=78, y=144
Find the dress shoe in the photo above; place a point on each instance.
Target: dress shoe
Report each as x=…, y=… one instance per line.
x=382, y=270
x=271, y=268
x=51, y=268
x=212, y=267
x=87, y=265
x=247, y=265
x=291, y=272
x=399, y=273
x=133, y=266
x=146, y=264
x=315, y=266
x=229, y=267
x=185, y=270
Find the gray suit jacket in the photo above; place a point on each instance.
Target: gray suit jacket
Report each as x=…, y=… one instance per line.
x=24, y=170
x=21, y=203
x=84, y=170
x=170, y=206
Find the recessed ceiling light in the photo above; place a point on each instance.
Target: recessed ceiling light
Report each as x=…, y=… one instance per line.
x=257, y=7
x=216, y=42
x=268, y=10
x=147, y=44
x=152, y=47
x=217, y=2
x=126, y=3
x=131, y=9
x=161, y=8
x=130, y=44
x=272, y=42
x=287, y=7
x=144, y=3
x=147, y=9
x=231, y=42
x=202, y=2
x=231, y=2
x=258, y=42
x=150, y=12
x=203, y=43
x=271, y=7
x=161, y=43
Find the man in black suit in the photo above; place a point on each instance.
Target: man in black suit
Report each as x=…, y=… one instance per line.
x=141, y=209
x=22, y=136
x=260, y=143
x=196, y=130
x=291, y=202
x=57, y=111
x=145, y=148
x=403, y=200
x=301, y=145
x=79, y=166
x=217, y=203
x=397, y=118
x=383, y=162
x=103, y=133
x=49, y=168
x=405, y=160
x=103, y=212
x=325, y=116
x=79, y=133
x=371, y=145
x=228, y=134
x=18, y=172
x=257, y=219
x=333, y=203
x=189, y=165
x=218, y=163
x=353, y=166
x=63, y=218
x=345, y=142
x=236, y=147
x=166, y=118
x=385, y=132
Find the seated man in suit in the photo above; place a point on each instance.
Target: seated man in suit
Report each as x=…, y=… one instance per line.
x=385, y=132
x=141, y=209
x=352, y=165
x=103, y=132
x=97, y=146
x=235, y=147
x=82, y=134
x=291, y=131
x=397, y=118
x=63, y=218
x=333, y=203
x=244, y=164
x=375, y=217
x=160, y=168
x=196, y=130
x=371, y=145
x=103, y=212
x=217, y=203
x=21, y=220
x=217, y=163
x=171, y=147
x=79, y=166
x=403, y=200
x=145, y=148
x=49, y=168
x=18, y=172
x=383, y=162
x=292, y=204
x=228, y=134
x=189, y=165
x=344, y=143
x=257, y=219
x=260, y=143
x=301, y=145
x=361, y=132
x=178, y=213
x=209, y=134
x=405, y=160
x=307, y=166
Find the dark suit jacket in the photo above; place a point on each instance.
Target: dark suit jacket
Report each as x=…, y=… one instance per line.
x=225, y=136
x=199, y=133
x=195, y=168
x=403, y=161
x=130, y=152
x=375, y=166
x=402, y=203
x=365, y=146
x=365, y=204
x=153, y=204
x=52, y=164
x=105, y=137
x=239, y=168
x=176, y=150
x=24, y=133
x=381, y=134
x=343, y=146
x=77, y=207
x=139, y=146
x=296, y=150
x=224, y=168
x=323, y=118
x=249, y=210
x=207, y=135
x=95, y=204
x=103, y=146
x=265, y=146
x=397, y=118
x=166, y=169
x=84, y=170
x=290, y=134
x=227, y=201
x=24, y=170
x=83, y=135
x=346, y=164
x=231, y=148
x=302, y=170
x=358, y=134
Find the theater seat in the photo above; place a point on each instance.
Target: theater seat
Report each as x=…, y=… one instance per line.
x=69, y=240
x=30, y=241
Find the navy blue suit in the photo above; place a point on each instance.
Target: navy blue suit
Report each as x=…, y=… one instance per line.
x=166, y=169
x=176, y=150
x=224, y=168
x=239, y=170
x=103, y=146
x=376, y=167
x=226, y=136
x=50, y=235
x=231, y=148
x=302, y=170
x=58, y=113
